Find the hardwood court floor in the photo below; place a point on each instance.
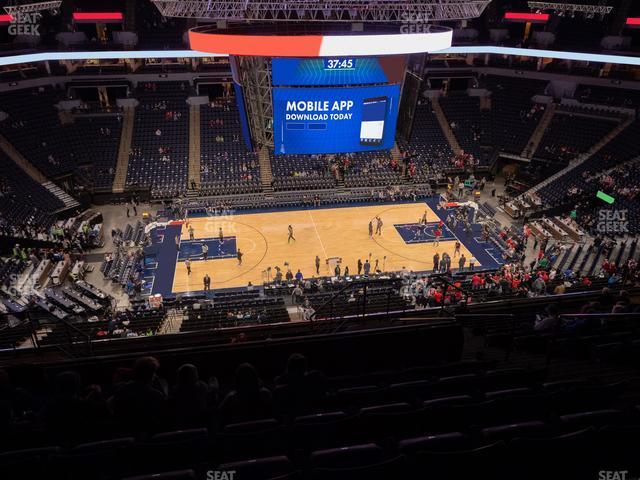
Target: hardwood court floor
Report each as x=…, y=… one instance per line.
x=335, y=232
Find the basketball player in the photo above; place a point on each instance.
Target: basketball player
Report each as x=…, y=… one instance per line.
x=220, y=236
x=423, y=220
x=187, y=263
x=291, y=237
x=417, y=230
x=456, y=251
x=438, y=234
x=239, y=255
x=371, y=229
x=379, y=226
x=317, y=265
x=205, y=251
x=191, y=235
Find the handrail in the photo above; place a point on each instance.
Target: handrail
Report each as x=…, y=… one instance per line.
x=345, y=288
x=86, y=338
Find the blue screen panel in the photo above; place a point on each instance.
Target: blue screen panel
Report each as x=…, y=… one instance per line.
x=334, y=120
x=328, y=71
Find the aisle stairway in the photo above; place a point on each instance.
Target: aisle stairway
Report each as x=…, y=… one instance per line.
x=194, y=146
x=34, y=173
x=64, y=197
x=22, y=162
x=538, y=133
x=123, y=150
x=266, y=177
x=445, y=127
x=396, y=154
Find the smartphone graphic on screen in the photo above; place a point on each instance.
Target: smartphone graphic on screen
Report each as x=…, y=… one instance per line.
x=374, y=113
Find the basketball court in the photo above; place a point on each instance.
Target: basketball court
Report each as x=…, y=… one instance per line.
x=330, y=233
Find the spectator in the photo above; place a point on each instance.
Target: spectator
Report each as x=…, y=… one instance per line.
x=249, y=400
x=189, y=399
x=140, y=405
x=548, y=322
x=71, y=416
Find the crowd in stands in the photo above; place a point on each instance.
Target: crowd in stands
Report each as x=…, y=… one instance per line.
x=96, y=142
x=428, y=148
x=450, y=419
x=26, y=207
x=87, y=145
x=159, y=156
x=514, y=116
x=141, y=402
x=226, y=165
x=608, y=96
x=467, y=121
x=567, y=136
x=609, y=169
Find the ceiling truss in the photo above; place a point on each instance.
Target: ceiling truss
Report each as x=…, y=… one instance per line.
x=571, y=7
x=391, y=11
x=31, y=7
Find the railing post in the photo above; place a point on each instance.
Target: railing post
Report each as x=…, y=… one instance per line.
x=388, y=303
x=364, y=302
x=34, y=336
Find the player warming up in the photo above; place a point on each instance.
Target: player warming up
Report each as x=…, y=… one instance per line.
x=379, y=226
x=291, y=237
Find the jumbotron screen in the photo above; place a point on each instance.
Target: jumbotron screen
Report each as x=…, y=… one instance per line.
x=335, y=105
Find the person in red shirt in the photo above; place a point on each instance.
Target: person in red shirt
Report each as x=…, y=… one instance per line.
x=438, y=234
x=437, y=296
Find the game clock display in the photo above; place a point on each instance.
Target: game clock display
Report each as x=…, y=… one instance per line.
x=339, y=63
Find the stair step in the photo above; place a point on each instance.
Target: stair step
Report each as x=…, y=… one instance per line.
x=445, y=127
x=537, y=135
x=126, y=137
x=64, y=197
x=266, y=177
x=194, y=145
